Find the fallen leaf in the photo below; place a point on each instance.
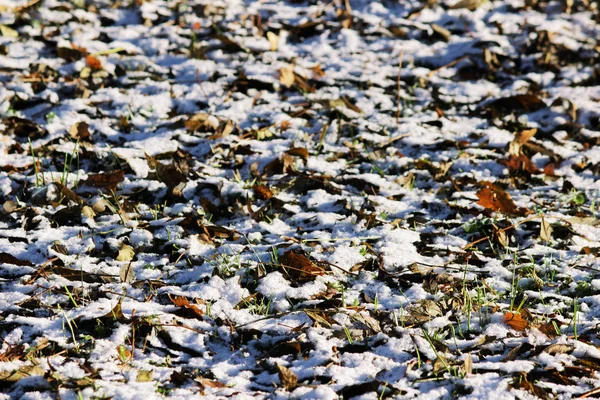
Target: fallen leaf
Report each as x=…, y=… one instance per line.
x=288, y=379
x=126, y=273
x=8, y=32
x=298, y=152
x=286, y=76
x=263, y=192
x=515, y=321
x=299, y=267
x=12, y=376
x=496, y=199
x=558, y=348
x=183, y=302
x=6, y=258
x=126, y=253
x=520, y=102
x=273, y=41
x=93, y=62
x=80, y=131
x=520, y=163
x=144, y=376
x=520, y=139
x=207, y=383
x=317, y=71
x=545, y=230
x=106, y=180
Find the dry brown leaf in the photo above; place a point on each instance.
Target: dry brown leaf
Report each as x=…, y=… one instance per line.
x=207, y=383
x=80, y=131
x=520, y=163
x=317, y=71
x=183, y=302
x=496, y=199
x=263, y=192
x=515, y=321
x=287, y=76
x=93, y=62
x=520, y=139
x=298, y=152
x=299, y=267
x=288, y=379
x=106, y=180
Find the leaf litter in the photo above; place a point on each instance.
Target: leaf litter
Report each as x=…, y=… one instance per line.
x=299, y=198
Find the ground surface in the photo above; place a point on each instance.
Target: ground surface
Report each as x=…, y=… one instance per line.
x=252, y=199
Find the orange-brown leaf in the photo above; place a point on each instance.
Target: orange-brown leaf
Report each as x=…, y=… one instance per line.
x=93, y=62
x=496, y=199
x=520, y=163
x=181, y=301
x=263, y=192
x=298, y=152
x=515, y=321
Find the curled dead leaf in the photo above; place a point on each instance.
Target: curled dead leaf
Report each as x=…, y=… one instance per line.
x=515, y=321
x=288, y=379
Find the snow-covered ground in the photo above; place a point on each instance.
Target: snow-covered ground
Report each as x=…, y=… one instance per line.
x=299, y=199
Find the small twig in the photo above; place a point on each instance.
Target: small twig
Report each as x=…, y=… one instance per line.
x=502, y=230
x=450, y=64
x=398, y=89
x=590, y=393
x=132, y=334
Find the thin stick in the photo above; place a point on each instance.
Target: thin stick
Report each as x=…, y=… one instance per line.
x=398, y=91
x=450, y=64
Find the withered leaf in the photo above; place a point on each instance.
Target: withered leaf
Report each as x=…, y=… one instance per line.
x=126, y=273
x=116, y=313
x=93, y=62
x=520, y=102
x=11, y=376
x=496, y=199
x=298, y=152
x=299, y=267
x=202, y=122
x=6, y=258
x=288, y=379
x=545, y=230
x=263, y=192
x=126, y=253
x=183, y=302
x=68, y=193
x=81, y=131
x=317, y=71
x=70, y=54
x=281, y=165
x=520, y=163
x=515, y=321
x=520, y=139
x=207, y=383
x=106, y=180
x=558, y=348
x=171, y=174
x=144, y=376
x=287, y=76
x=23, y=128
x=273, y=41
